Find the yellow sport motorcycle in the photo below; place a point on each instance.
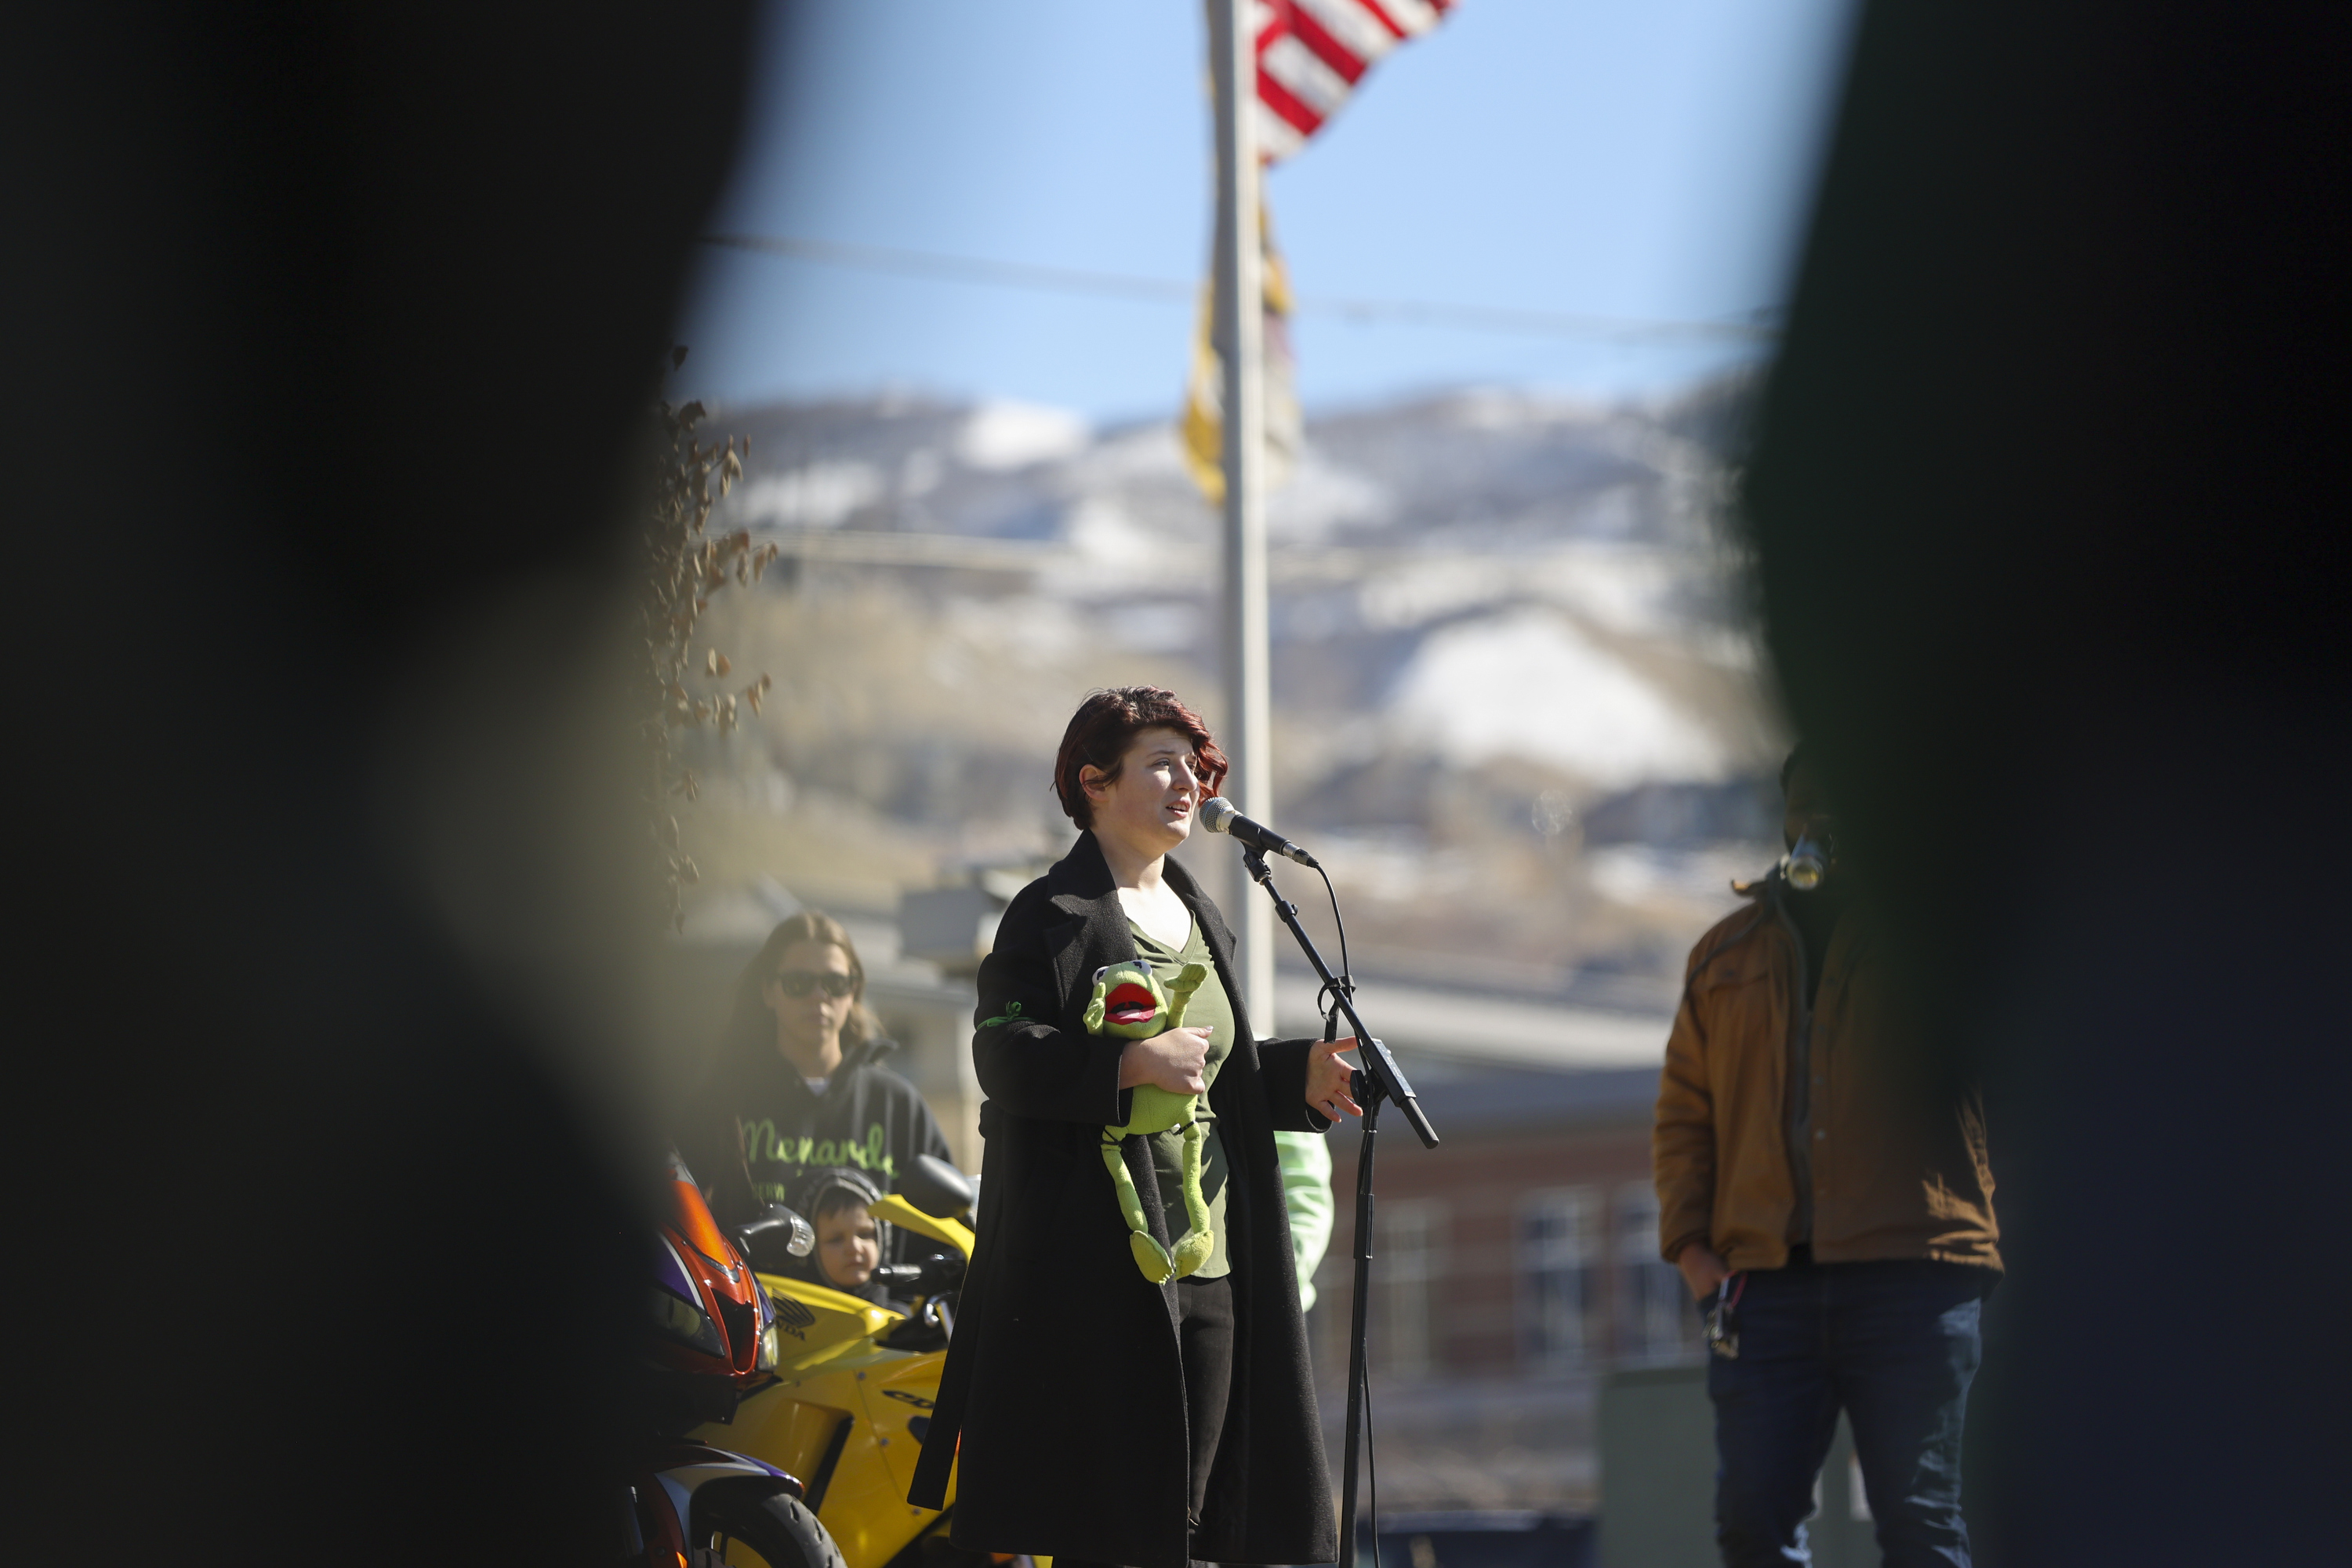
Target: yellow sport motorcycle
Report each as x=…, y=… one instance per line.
x=854, y=1383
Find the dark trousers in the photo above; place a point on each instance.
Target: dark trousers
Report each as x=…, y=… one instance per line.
x=1204, y=1337
x=1893, y=1344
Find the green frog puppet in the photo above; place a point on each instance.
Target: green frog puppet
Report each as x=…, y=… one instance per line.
x=1130, y=1002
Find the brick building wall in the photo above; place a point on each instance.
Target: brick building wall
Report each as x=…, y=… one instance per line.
x=1525, y=1244
x=1514, y=1264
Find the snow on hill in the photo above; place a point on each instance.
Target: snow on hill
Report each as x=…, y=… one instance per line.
x=1496, y=618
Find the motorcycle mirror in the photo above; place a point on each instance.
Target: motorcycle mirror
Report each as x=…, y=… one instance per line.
x=775, y=1240
x=938, y=1188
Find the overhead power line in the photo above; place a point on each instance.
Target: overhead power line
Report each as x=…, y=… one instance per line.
x=1130, y=286
x=960, y=269
x=983, y=552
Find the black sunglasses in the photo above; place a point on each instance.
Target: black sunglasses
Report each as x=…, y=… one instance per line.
x=797, y=981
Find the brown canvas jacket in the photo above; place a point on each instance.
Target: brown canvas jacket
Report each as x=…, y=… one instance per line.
x=1894, y=1153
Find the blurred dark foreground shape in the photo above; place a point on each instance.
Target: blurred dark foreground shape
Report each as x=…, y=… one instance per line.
x=327, y=328
x=2053, y=504
x=330, y=331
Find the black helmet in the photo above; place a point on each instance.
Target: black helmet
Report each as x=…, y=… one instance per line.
x=815, y=1184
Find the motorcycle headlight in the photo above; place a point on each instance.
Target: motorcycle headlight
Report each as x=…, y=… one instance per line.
x=771, y=1352
x=683, y=1321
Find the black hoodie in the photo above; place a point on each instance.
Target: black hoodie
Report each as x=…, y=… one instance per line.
x=755, y=1130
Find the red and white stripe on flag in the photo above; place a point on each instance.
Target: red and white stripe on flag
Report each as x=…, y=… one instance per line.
x=1311, y=54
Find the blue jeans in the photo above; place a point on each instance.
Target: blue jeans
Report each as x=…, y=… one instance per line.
x=1894, y=1344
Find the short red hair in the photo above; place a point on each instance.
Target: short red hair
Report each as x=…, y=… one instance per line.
x=1107, y=724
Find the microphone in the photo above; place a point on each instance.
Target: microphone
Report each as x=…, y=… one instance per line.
x=1218, y=816
x=1809, y=863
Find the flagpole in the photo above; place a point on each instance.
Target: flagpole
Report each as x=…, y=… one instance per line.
x=1240, y=335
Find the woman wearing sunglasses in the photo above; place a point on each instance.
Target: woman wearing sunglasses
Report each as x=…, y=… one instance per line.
x=1099, y=1417
x=799, y=1084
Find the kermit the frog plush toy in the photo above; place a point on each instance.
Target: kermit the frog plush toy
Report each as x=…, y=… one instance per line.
x=1130, y=1002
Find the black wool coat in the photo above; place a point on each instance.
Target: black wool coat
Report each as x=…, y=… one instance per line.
x=1063, y=1381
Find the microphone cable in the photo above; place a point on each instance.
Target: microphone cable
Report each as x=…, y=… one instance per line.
x=1346, y=983
x=1371, y=1467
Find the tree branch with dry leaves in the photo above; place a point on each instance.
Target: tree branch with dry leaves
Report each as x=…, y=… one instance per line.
x=683, y=567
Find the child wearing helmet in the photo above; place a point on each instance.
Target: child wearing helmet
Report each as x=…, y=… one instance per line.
x=850, y=1242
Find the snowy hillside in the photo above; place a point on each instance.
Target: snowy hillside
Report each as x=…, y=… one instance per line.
x=1509, y=652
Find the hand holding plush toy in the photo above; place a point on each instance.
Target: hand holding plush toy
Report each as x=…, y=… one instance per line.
x=1130, y=1003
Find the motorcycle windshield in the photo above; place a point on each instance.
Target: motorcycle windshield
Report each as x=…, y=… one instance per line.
x=691, y=1218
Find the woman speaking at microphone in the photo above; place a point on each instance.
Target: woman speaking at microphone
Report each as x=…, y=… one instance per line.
x=1102, y=1418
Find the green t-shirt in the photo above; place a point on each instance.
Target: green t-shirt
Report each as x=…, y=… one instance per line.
x=1210, y=1009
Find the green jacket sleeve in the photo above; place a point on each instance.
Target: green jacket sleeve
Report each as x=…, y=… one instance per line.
x=1306, y=1189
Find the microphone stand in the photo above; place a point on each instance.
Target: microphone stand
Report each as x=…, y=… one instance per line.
x=1378, y=1081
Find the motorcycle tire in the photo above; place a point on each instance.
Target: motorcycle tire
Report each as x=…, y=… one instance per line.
x=782, y=1529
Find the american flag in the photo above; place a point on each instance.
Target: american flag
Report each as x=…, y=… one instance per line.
x=1310, y=56
x=1312, y=53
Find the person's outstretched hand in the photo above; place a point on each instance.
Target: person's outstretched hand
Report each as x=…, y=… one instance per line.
x=1328, y=1079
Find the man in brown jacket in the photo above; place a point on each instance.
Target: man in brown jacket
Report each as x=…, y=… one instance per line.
x=1823, y=1186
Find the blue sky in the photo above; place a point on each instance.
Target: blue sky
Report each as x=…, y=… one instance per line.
x=1622, y=158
